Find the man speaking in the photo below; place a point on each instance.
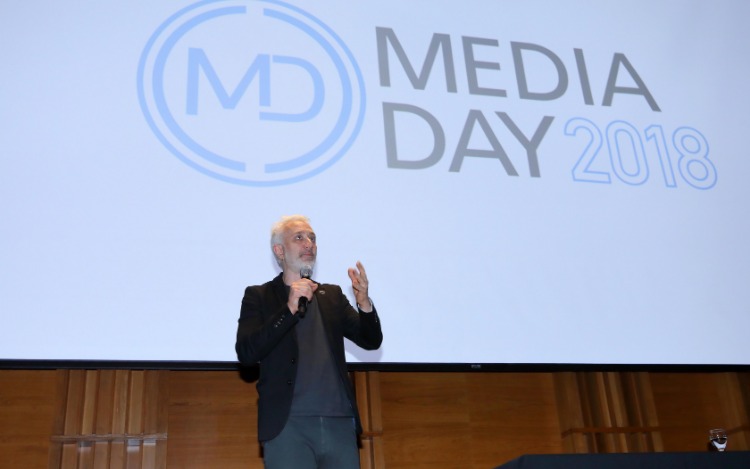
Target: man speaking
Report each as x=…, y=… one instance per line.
x=294, y=327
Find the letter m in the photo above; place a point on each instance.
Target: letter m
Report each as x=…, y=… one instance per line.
x=198, y=61
x=442, y=42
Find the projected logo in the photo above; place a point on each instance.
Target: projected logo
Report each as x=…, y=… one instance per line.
x=258, y=93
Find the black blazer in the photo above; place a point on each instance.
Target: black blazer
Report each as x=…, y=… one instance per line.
x=266, y=335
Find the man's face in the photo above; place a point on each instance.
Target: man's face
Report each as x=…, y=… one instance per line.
x=299, y=247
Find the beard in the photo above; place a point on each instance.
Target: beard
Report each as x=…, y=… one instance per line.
x=300, y=262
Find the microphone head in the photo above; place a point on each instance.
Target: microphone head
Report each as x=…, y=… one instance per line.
x=305, y=271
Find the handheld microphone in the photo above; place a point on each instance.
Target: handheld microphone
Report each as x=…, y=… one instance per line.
x=304, y=272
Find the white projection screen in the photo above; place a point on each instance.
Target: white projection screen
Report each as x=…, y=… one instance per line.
x=526, y=182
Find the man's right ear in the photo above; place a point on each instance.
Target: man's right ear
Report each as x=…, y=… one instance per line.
x=278, y=251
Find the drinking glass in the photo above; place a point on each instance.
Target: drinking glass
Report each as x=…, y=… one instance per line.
x=717, y=438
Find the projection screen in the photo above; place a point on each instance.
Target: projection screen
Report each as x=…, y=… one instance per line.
x=536, y=182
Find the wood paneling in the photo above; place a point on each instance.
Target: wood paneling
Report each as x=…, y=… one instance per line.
x=607, y=412
x=206, y=419
x=511, y=414
x=212, y=421
x=27, y=410
x=689, y=404
x=367, y=387
x=734, y=396
x=425, y=420
x=109, y=420
x=688, y=407
x=466, y=420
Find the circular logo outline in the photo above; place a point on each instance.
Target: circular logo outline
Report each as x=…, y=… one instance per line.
x=162, y=113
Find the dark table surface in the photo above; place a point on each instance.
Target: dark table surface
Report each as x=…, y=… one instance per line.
x=702, y=460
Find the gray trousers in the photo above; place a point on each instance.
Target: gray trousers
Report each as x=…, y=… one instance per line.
x=313, y=443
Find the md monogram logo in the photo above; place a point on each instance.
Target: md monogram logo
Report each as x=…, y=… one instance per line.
x=257, y=93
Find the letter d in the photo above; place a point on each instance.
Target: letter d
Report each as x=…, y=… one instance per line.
x=389, y=122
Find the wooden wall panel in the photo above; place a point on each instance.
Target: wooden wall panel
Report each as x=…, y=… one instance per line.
x=200, y=419
x=607, y=412
x=734, y=396
x=466, y=420
x=109, y=423
x=689, y=404
x=511, y=414
x=27, y=410
x=212, y=421
x=425, y=420
x=367, y=388
x=688, y=407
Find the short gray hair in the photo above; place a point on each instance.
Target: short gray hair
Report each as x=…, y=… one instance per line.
x=280, y=227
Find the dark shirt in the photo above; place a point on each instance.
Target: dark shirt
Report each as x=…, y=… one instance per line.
x=318, y=390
